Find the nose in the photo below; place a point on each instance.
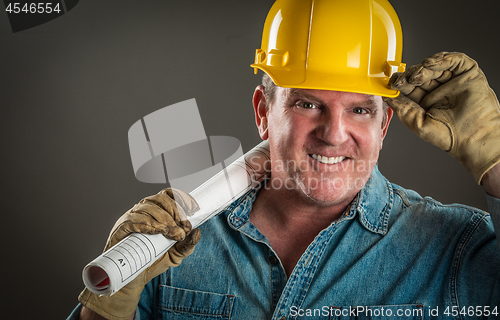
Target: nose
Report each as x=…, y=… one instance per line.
x=332, y=129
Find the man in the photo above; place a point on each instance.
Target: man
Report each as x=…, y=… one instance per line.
x=328, y=236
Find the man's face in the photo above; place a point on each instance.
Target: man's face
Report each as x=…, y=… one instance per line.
x=323, y=143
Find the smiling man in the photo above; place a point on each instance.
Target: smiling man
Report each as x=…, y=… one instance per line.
x=328, y=236
x=333, y=140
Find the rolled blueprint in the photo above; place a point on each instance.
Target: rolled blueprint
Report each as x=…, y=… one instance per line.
x=119, y=265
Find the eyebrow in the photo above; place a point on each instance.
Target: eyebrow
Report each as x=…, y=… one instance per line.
x=370, y=102
x=298, y=93
x=303, y=94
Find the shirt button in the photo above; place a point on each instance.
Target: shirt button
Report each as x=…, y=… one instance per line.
x=273, y=260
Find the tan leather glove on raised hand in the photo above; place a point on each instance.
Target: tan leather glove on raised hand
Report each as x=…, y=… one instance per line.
x=152, y=215
x=447, y=101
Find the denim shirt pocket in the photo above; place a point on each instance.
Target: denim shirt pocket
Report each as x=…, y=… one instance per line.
x=403, y=311
x=177, y=303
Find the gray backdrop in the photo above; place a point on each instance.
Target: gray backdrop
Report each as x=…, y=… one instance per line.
x=72, y=87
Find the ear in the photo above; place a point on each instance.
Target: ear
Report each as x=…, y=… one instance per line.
x=259, y=107
x=385, y=125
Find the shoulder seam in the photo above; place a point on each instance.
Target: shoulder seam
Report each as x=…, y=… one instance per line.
x=403, y=196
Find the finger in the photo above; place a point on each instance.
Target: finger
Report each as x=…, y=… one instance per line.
x=419, y=76
x=422, y=123
x=185, y=200
x=417, y=95
x=417, y=82
x=401, y=84
x=410, y=113
x=445, y=76
x=177, y=208
x=395, y=76
x=402, y=81
x=424, y=75
x=407, y=74
x=161, y=204
x=155, y=216
x=128, y=227
x=430, y=85
x=456, y=62
x=186, y=246
x=159, y=214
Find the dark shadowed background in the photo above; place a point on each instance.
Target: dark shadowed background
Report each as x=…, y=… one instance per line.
x=72, y=87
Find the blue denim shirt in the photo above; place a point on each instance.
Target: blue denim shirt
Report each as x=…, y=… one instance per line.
x=392, y=254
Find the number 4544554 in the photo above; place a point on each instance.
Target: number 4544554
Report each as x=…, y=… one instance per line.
x=33, y=7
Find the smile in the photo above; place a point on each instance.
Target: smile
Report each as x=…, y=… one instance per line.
x=327, y=160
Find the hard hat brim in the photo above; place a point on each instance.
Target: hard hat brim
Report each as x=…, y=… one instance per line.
x=371, y=85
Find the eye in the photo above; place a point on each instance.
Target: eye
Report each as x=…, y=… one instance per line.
x=307, y=109
x=307, y=105
x=359, y=110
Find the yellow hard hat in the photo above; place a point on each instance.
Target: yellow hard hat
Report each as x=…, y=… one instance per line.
x=342, y=45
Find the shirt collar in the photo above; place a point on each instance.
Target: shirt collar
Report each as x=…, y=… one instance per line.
x=373, y=204
x=240, y=209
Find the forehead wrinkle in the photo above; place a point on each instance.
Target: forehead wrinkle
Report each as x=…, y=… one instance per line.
x=298, y=93
x=369, y=102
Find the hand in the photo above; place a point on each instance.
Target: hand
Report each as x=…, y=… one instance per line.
x=159, y=213
x=447, y=101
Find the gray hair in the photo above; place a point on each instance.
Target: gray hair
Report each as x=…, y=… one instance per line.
x=269, y=89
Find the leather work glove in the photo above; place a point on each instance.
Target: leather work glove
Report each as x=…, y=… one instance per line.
x=447, y=101
x=159, y=213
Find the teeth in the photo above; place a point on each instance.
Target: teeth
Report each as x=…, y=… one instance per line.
x=327, y=160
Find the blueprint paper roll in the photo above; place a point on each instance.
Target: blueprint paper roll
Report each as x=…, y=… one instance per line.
x=116, y=267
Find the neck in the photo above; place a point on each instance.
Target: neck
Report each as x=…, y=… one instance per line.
x=290, y=221
x=282, y=212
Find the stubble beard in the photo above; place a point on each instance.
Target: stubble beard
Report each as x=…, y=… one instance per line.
x=319, y=190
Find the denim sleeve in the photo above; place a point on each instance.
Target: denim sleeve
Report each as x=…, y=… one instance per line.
x=494, y=209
